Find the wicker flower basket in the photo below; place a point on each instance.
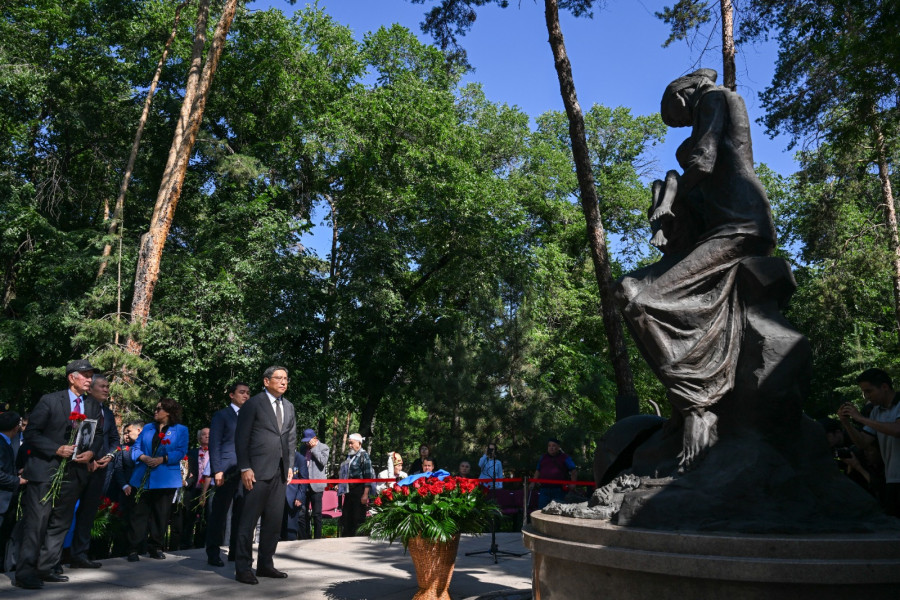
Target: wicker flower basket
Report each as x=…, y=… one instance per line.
x=434, y=562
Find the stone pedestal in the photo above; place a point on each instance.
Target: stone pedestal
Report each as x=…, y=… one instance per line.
x=575, y=558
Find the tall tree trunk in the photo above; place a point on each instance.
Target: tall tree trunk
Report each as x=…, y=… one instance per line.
x=890, y=213
x=196, y=94
x=626, y=402
x=129, y=169
x=729, y=75
x=329, y=302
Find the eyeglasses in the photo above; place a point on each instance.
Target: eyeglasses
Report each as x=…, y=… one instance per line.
x=279, y=378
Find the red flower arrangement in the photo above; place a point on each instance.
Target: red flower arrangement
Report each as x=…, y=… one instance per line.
x=432, y=508
x=75, y=419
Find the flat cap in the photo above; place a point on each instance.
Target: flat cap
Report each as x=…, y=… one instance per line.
x=79, y=365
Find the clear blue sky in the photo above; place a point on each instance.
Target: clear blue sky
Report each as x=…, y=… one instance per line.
x=617, y=60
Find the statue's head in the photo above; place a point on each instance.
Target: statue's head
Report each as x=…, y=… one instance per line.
x=677, y=102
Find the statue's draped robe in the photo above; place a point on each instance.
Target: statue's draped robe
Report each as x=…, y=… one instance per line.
x=685, y=310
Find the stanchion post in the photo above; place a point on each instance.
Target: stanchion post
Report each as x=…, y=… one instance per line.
x=525, y=494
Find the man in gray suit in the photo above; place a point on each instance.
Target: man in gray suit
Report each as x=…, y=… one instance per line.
x=316, y=454
x=265, y=441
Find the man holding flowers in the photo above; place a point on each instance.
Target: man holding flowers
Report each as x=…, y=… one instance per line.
x=52, y=462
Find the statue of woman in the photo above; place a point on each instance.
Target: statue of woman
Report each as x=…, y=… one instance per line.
x=684, y=309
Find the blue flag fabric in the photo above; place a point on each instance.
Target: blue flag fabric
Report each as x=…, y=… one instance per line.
x=440, y=474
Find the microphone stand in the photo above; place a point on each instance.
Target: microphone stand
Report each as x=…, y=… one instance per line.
x=494, y=549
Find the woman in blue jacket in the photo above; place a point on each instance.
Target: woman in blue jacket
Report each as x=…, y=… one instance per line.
x=157, y=455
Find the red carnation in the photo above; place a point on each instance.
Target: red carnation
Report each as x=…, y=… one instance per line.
x=161, y=435
x=396, y=488
x=405, y=488
x=388, y=494
x=423, y=490
x=165, y=442
x=449, y=484
x=378, y=501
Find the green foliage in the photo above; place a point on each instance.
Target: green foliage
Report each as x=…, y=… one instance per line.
x=828, y=218
x=685, y=18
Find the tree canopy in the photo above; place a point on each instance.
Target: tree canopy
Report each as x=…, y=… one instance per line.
x=458, y=303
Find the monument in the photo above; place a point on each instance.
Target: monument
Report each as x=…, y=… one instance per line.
x=738, y=470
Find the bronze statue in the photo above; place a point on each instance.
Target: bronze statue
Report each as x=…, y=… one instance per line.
x=684, y=310
x=737, y=454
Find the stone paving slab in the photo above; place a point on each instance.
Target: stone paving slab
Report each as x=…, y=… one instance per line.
x=329, y=569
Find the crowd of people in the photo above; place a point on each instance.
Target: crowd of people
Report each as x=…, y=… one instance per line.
x=247, y=479
x=61, y=459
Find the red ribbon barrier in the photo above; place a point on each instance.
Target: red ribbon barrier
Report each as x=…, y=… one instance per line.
x=483, y=481
x=560, y=482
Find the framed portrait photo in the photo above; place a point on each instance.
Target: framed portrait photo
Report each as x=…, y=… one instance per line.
x=86, y=432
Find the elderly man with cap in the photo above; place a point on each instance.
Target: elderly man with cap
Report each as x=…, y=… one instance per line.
x=358, y=465
x=555, y=465
x=316, y=453
x=46, y=522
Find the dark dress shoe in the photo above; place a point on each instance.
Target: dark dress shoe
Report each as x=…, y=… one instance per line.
x=156, y=554
x=53, y=578
x=83, y=563
x=57, y=569
x=29, y=583
x=133, y=557
x=215, y=561
x=246, y=577
x=271, y=572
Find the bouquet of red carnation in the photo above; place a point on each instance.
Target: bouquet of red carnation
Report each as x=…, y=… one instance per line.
x=163, y=441
x=434, y=508
x=75, y=419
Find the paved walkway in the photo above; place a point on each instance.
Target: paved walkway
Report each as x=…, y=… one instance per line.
x=332, y=569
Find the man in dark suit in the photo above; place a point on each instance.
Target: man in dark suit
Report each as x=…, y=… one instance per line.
x=96, y=485
x=10, y=480
x=295, y=506
x=9, y=475
x=265, y=441
x=192, y=512
x=223, y=466
x=45, y=524
x=119, y=488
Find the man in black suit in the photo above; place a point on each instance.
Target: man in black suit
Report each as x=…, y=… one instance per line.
x=223, y=466
x=9, y=475
x=193, y=511
x=120, y=489
x=96, y=485
x=295, y=508
x=265, y=441
x=10, y=480
x=45, y=524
